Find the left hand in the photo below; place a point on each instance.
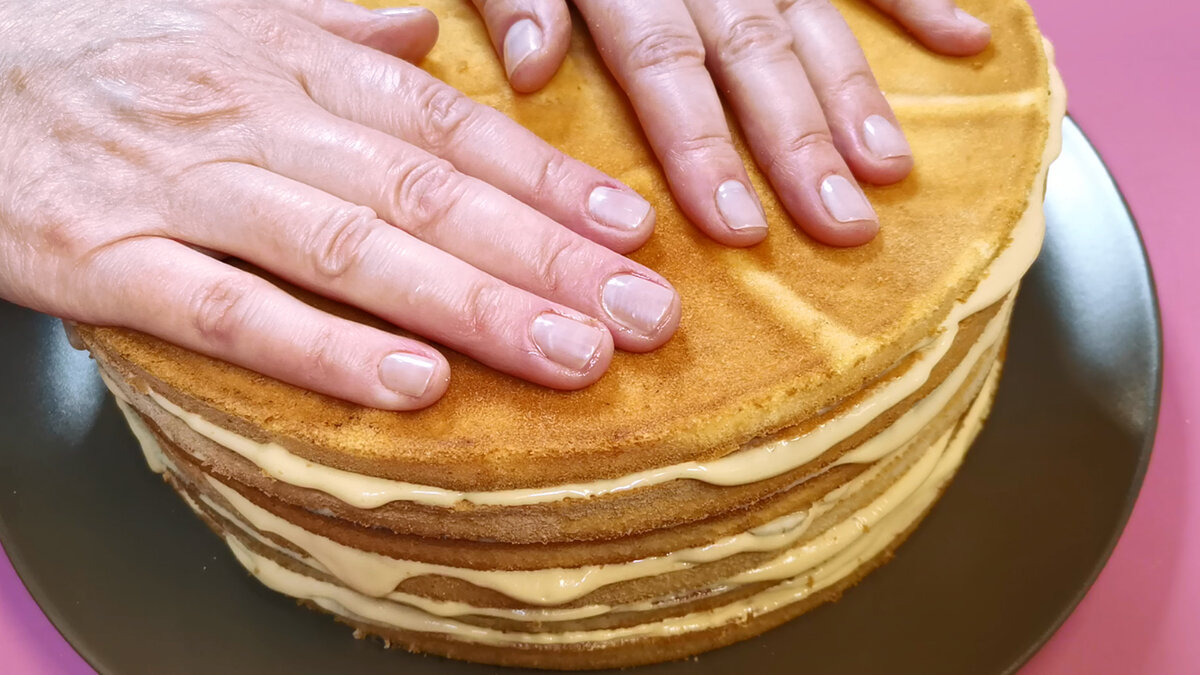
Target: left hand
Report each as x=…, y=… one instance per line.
x=793, y=74
x=134, y=132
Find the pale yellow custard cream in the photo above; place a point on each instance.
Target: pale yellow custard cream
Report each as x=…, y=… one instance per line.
x=369, y=578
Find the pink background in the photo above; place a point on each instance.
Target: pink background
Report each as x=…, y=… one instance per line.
x=1131, y=69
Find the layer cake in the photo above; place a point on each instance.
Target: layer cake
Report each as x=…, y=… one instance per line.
x=809, y=413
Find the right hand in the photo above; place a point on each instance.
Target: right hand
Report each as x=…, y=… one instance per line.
x=133, y=133
x=792, y=74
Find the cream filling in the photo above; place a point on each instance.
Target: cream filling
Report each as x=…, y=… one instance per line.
x=160, y=463
x=377, y=575
x=864, y=536
x=151, y=450
x=436, y=607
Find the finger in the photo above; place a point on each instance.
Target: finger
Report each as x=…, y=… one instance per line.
x=346, y=253
x=475, y=222
x=654, y=52
x=406, y=102
x=749, y=53
x=531, y=37
x=865, y=130
x=940, y=25
x=194, y=301
x=405, y=32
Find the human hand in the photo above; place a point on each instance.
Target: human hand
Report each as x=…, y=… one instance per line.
x=793, y=74
x=133, y=133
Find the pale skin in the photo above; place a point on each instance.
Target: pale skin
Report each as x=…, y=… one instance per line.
x=140, y=137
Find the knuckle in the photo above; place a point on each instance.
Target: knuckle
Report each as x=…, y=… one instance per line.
x=481, y=312
x=218, y=309
x=665, y=47
x=423, y=193
x=800, y=146
x=806, y=141
x=341, y=242
x=754, y=38
x=322, y=355
x=550, y=176
x=191, y=76
x=700, y=148
x=558, y=262
x=785, y=6
x=208, y=92
x=446, y=112
x=205, y=93
x=851, y=85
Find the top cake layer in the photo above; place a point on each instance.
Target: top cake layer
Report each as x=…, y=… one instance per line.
x=769, y=336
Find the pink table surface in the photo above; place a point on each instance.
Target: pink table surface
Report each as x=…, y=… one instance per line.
x=1131, y=69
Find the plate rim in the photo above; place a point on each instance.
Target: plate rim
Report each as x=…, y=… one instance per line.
x=1145, y=452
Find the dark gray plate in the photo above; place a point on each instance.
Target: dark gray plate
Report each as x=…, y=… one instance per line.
x=138, y=585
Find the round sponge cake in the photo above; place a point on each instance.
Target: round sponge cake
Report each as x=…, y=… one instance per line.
x=810, y=410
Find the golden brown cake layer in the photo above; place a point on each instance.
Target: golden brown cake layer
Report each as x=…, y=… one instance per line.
x=770, y=336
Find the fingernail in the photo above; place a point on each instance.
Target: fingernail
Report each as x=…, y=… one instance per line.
x=619, y=209
x=637, y=303
x=739, y=208
x=969, y=22
x=406, y=374
x=523, y=39
x=844, y=201
x=883, y=139
x=565, y=341
x=400, y=11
